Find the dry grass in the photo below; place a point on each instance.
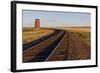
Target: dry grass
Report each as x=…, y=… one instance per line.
x=77, y=29
x=30, y=34
x=83, y=32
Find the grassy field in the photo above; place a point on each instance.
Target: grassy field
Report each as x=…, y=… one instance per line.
x=83, y=32
x=31, y=34
x=84, y=35
x=26, y=29
x=78, y=29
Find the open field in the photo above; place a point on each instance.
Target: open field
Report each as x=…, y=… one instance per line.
x=31, y=34
x=84, y=35
x=75, y=29
x=82, y=32
x=79, y=29
x=49, y=44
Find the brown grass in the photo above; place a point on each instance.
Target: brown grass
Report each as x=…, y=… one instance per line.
x=30, y=35
x=82, y=32
x=78, y=29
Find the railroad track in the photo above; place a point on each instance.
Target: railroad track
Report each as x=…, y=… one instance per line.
x=35, y=42
x=42, y=50
x=71, y=47
x=61, y=46
x=60, y=52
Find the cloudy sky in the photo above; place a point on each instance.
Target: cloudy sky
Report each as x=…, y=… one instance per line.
x=56, y=19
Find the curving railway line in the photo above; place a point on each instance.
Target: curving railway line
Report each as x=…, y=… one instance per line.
x=42, y=50
x=71, y=47
x=59, y=47
x=35, y=42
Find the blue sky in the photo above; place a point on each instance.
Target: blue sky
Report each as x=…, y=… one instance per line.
x=56, y=19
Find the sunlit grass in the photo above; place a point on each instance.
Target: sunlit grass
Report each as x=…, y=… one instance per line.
x=84, y=35
x=31, y=34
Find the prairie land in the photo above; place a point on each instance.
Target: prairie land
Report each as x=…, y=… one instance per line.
x=82, y=32
x=76, y=29
x=71, y=43
x=31, y=34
